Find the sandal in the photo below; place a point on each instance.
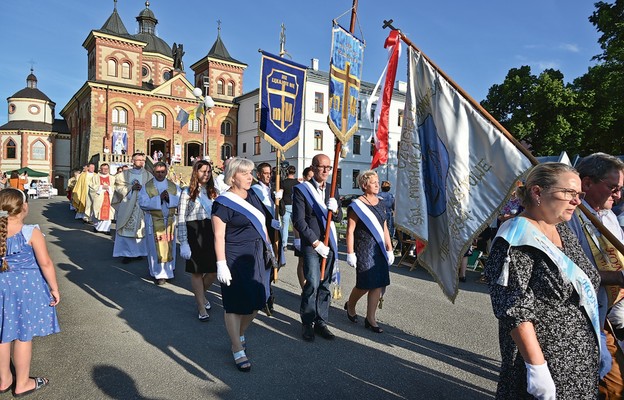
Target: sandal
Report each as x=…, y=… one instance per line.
x=207, y=306
x=243, y=366
x=8, y=388
x=243, y=342
x=39, y=384
x=203, y=318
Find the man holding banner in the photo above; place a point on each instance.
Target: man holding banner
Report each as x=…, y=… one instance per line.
x=311, y=202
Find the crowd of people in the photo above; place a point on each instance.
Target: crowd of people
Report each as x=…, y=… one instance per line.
x=555, y=280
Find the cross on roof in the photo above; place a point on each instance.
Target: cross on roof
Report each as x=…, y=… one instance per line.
x=218, y=27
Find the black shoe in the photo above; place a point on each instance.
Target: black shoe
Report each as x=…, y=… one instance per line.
x=368, y=325
x=462, y=279
x=352, y=318
x=307, y=333
x=160, y=281
x=126, y=260
x=323, y=331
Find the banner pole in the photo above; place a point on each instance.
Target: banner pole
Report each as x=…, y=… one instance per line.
x=276, y=243
x=595, y=221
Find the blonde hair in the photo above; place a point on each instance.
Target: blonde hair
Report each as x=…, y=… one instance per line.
x=236, y=165
x=364, y=177
x=11, y=202
x=543, y=175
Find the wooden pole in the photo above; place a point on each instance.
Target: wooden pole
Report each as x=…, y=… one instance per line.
x=337, y=151
x=603, y=230
x=276, y=244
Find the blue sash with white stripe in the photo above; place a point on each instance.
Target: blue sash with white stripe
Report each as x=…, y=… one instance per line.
x=520, y=232
x=372, y=224
x=314, y=200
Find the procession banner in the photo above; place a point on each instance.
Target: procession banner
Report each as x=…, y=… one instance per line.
x=455, y=169
x=282, y=86
x=345, y=76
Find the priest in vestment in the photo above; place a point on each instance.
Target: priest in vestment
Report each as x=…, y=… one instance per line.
x=101, y=193
x=159, y=198
x=80, y=194
x=130, y=226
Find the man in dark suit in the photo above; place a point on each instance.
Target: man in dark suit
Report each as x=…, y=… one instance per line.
x=311, y=201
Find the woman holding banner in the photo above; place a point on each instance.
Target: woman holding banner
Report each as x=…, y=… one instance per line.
x=543, y=292
x=242, y=248
x=371, y=253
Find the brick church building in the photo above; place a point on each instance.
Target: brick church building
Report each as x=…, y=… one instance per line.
x=135, y=88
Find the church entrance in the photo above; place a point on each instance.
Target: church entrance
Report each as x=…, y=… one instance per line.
x=158, y=149
x=192, y=150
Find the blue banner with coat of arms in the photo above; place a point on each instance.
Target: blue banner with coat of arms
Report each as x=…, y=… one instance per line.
x=344, y=83
x=282, y=84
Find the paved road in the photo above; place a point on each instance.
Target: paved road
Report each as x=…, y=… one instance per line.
x=125, y=338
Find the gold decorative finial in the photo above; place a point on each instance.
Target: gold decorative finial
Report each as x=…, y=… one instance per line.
x=147, y=3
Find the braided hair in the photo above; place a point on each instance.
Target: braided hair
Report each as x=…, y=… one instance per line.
x=11, y=204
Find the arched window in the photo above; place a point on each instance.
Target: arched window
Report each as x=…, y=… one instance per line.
x=194, y=125
x=220, y=87
x=226, y=151
x=38, y=151
x=230, y=89
x=11, y=150
x=112, y=67
x=226, y=128
x=120, y=116
x=158, y=120
x=125, y=70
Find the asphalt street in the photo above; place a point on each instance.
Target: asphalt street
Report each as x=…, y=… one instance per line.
x=123, y=337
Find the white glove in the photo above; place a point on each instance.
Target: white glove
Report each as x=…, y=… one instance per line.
x=185, y=251
x=539, y=382
x=390, y=254
x=322, y=250
x=223, y=273
x=351, y=260
x=332, y=204
x=275, y=224
x=278, y=194
x=297, y=244
x=605, y=357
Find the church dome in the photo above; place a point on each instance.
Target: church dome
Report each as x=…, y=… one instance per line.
x=31, y=91
x=147, y=33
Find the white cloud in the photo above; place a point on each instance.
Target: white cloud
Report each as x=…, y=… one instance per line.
x=545, y=64
x=571, y=47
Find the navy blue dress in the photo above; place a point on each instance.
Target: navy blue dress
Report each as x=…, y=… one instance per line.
x=372, y=269
x=244, y=252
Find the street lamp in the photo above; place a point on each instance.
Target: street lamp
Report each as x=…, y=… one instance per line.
x=208, y=103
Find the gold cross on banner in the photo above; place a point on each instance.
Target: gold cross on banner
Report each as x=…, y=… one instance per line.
x=349, y=81
x=285, y=113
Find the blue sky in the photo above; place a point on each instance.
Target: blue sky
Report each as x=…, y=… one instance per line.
x=475, y=43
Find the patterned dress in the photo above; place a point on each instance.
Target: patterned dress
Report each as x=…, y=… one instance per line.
x=536, y=292
x=372, y=270
x=24, y=293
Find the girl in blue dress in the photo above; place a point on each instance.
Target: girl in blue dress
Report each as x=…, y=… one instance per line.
x=28, y=294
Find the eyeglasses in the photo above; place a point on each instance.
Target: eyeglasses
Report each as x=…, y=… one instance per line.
x=569, y=194
x=323, y=167
x=615, y=188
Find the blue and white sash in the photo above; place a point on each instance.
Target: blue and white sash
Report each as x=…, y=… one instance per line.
x=257, y=219
x=520, y=232
x=202, y=199
x=372, y=224
x=266, y=200
x=313, y=198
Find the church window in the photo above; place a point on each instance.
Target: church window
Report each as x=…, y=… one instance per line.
x=38, y=151
x=145, y=71
x=194, y=125
x=120, y=116
x=226, y=128
x=125, y=70
x=158, y=120
x=167, y=75
x=226, y=151
x=11, y=108
x=230, y=89
x=112, y=67
x=11, y=150
x=220, y=87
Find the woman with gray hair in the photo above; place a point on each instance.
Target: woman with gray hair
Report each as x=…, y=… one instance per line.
x=369, y=249
x=543, y=292
x=243, y=254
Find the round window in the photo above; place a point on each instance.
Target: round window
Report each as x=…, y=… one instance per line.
x=34, y=109
x=145, y=71
x=167, y=75
x=11, y=108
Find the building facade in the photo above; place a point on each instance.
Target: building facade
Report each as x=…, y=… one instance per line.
x=33, y=137
x=315, y=136
x=136, y=86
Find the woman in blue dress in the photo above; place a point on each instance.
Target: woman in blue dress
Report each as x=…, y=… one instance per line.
x=28, y=293
x=369, y=249
x=238, y=217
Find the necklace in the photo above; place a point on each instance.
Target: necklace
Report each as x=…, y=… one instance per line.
x=551, y=233
x=375, y=210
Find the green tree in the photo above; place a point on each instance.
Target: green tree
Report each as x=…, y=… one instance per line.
x=537, y=109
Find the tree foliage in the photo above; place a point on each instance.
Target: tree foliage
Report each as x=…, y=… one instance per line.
x=583, y=117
